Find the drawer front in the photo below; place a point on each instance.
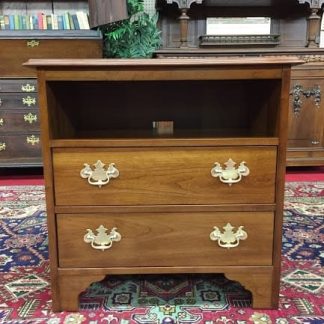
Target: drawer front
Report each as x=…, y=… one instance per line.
x=18, y=100
x=18, y=121
x=18, y=85
x=167, y=176
x=26, y=49
x=20, y=146
x=165, y=239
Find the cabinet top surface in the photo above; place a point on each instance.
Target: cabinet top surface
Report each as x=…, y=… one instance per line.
x=159, y=62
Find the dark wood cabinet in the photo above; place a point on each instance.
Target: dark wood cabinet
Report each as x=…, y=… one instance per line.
x=297, y=24
x=19, y=109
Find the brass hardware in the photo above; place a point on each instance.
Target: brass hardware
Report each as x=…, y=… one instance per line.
x=298, y=91
x=99, y=176
x=315, y=142
x=32, y=140
x=1, y=121
x=2, y=146
x=29, y=101
x=228, y=239
x=32, y=43
x=27, y=88
x=30, y=118
x=230, y=175
x=102, y=241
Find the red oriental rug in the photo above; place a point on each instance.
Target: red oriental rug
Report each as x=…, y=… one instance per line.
x=207, y=299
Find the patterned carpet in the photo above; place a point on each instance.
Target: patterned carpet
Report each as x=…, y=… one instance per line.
x=206, y=299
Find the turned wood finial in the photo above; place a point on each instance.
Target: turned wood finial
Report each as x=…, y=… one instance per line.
x=184, y=6
x=314, y=21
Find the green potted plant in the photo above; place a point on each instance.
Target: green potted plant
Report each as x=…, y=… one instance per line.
x=135, y=37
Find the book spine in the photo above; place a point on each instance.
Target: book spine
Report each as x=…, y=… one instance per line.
x=75, y=21
x=49, y=22
x=79, y=15
x=11, y=22
x=71, y=21
x=2, y=22
x=44, y=21
x=35, y=22
x=60, y=24
x=40, y=20
x=16, y=22
x=23, y=22
x=6, y=22
x=67, y=20
x=31, y=26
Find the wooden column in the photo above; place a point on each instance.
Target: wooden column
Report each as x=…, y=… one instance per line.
x=314, y=22
x=184, y=6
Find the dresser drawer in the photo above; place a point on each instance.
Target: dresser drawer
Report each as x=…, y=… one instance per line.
x=18, y=100
x=165, y=176
x=165, y=239
x=20, y=146
x=25, y=49
x=18, y=85
x=18, y=120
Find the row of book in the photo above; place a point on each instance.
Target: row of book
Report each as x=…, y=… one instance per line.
x=77, y=20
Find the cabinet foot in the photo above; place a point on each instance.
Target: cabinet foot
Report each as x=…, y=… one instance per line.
x=70, y=287
x=258, y=283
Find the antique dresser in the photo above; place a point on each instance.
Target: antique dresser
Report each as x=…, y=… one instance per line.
x=164, y=166
x=19, y=111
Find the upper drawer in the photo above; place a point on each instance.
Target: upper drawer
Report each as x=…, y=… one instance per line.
x=24, y=49
x=171, y=176
x=18, y=85
x=18, y=100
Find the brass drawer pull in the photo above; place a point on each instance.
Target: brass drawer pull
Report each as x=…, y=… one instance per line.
x=32, y=140
x=29, y=101
x=102, y=241
x=1, y=121
x=99, y=176
x=30, y=118
x=32, y=43
x=230, y=174
x=2, y=146
x=27, y=88
x=228, y=239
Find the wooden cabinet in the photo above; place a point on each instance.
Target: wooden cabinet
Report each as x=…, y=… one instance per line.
x=19, y=123
x=19, y=114
x=306, y=116
x=204, y=196
x=296, y=27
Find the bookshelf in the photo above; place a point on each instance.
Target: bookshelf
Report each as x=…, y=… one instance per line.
x=19, y=115
x=44, y=15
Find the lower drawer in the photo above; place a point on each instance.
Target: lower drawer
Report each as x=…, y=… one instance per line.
x=20, y=145
x=165, y=239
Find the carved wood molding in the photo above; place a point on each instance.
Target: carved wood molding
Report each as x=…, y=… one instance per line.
x=184, y=4
x=313, y=4
x=312, y=58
